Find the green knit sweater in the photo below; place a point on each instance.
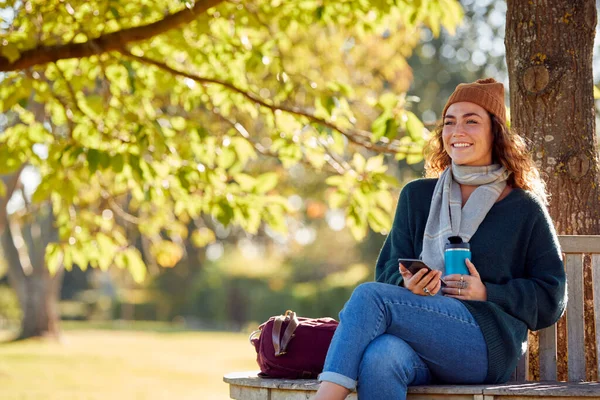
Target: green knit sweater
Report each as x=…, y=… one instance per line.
x=517, y=254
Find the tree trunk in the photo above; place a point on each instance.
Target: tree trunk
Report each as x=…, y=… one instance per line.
x=549, y=45
x=40, y=312
x=36, y=290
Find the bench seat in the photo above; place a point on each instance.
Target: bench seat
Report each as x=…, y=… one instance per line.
x=248, y=386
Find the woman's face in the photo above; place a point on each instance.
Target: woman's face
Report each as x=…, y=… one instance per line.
x=467, y=134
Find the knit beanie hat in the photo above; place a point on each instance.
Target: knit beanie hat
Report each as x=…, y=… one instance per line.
x=486, y=93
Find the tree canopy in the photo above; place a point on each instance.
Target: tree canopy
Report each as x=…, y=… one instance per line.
x=146, y=115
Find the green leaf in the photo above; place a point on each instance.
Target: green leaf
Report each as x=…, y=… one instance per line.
x=93, y=158
x=226, y=158
x=414, y=158
x=106, y=248
x=335, y=180
x=10, y=51
x=384, y=126
x=67, y=258
x=266, y=182
x=596, y=92
x=383, y=199
x=244, y=150
x=356, y=224
x=316, y=157
x=388, y=101
x=2, y=188
x=337, y=199
x=358, y=162
x=245, y=181
x=223, y=211
x=203, y=237
x=135, y=265
x=250, y=219
x=275, y=219
x=166, y=253
x=117, y=163
x=93, y=104
x=54, y=257
x=42, y=192
x=414, y=127
x=379, y=220
x=375, y=164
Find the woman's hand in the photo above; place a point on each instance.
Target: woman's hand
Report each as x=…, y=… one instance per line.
x=422, y=280
x=465, y=287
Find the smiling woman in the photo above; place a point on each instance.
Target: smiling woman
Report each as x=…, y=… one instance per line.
x=406, y=329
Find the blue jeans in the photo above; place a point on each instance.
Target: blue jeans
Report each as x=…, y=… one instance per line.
x=390, y=338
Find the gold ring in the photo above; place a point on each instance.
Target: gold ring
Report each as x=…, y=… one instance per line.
x=462, y=278
x=459, y=291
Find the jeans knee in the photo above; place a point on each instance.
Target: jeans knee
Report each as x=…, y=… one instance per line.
x=377, y=354
x=365, y=291
x=390, y=359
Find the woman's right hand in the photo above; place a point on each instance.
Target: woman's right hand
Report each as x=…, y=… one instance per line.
x=422, y=279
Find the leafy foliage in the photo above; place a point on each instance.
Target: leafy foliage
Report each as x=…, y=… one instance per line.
x=149, y=134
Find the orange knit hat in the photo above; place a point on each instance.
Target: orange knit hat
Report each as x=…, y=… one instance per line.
x=487, y=93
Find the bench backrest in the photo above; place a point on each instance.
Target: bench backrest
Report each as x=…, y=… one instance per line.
x=574, y=249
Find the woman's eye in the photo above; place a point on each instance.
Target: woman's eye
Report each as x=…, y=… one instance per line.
x=448, y=123
x=471, y=121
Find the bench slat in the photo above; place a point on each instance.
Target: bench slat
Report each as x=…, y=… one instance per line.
x=575, y=334
x=580, y=243
x=596, y=284
x=521, y=373
x=547, y=353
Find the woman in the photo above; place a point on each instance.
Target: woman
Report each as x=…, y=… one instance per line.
x=407, y=329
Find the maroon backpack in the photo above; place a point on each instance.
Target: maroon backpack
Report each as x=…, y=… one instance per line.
x=292, y=347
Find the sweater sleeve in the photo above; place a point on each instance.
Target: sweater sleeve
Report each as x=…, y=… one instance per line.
x=398, y=243
x=539, y=298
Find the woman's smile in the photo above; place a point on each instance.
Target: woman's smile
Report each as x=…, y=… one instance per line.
x=467, y=134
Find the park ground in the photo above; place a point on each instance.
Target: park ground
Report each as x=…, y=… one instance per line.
x=138, y=362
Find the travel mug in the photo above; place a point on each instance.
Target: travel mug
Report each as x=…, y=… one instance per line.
x=455, y=253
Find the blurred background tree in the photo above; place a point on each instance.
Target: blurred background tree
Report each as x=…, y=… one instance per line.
x=134, y=130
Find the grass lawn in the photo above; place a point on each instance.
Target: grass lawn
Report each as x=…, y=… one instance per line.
x=123, y=364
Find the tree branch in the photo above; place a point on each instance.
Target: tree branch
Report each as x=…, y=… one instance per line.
x=357, y=136
x=108, y=42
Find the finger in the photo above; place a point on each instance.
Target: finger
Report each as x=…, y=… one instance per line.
x=420, y=275
x=457, y=297
x=437, y=287
x=417, y=283
x=454, y=291
x=431, y=277
x=471, y=267
x=452, y=277
x=406, y=274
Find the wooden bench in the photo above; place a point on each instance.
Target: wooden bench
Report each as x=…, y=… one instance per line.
x=247, y=386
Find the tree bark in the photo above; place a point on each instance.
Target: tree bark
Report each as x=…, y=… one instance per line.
x=549, y=45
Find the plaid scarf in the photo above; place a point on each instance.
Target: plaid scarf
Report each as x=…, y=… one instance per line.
x=448, y=218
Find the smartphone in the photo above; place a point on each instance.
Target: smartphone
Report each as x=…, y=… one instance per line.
x=413, y=265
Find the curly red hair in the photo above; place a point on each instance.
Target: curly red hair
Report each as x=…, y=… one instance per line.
x=509, y=149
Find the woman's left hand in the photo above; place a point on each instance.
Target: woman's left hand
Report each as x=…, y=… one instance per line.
x=465, y=287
